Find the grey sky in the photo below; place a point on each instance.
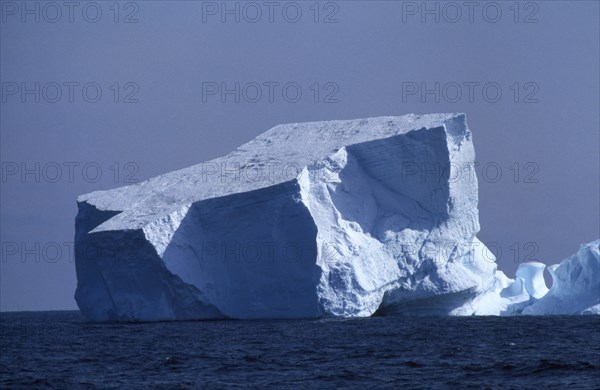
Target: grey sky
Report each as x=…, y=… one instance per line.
x=544, y=126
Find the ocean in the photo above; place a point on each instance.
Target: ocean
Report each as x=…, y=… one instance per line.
x=60, y=350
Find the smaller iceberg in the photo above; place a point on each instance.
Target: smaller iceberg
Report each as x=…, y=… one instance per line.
x=575, y=285
x=575, y=288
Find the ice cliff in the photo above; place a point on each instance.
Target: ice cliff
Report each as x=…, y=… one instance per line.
x=338, y=218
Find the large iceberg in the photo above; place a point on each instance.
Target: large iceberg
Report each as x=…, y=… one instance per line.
x=339, y=218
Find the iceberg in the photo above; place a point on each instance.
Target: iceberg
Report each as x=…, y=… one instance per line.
x=575, y=288
x=575, y=285
x=349, y=218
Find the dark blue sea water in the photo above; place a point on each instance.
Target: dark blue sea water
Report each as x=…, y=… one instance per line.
x=60, y=350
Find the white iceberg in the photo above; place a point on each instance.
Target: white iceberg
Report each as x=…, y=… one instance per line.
x=575, y=285
x=339, y=218
x=575, y=288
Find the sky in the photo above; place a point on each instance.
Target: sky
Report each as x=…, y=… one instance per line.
x=97, y=95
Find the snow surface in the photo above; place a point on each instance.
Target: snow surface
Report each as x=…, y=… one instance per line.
x=339, y=218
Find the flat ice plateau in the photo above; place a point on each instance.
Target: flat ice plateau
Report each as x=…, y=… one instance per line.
x=339, y=218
